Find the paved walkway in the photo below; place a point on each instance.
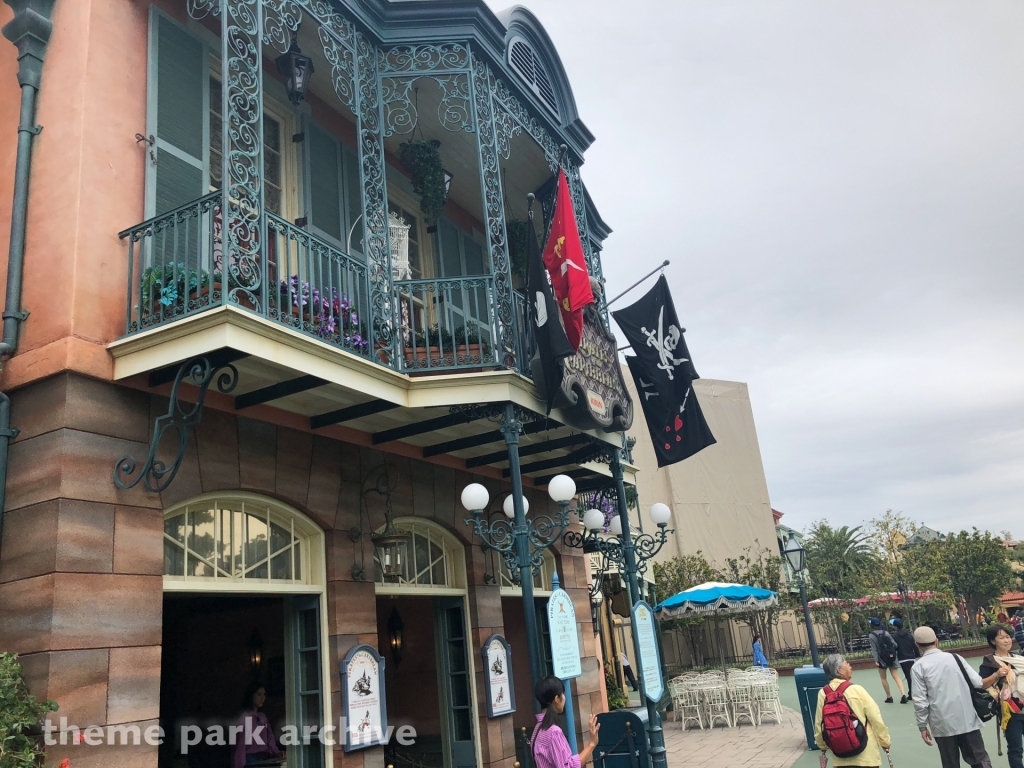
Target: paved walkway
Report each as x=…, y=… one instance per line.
x=769, y=745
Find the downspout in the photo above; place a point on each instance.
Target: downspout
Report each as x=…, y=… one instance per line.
x=29, y=30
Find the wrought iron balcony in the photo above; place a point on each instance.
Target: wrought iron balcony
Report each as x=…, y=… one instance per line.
x=176, y=268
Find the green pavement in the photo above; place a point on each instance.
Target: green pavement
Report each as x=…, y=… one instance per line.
x=908, y=750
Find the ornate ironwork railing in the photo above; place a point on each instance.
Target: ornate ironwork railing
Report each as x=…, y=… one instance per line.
x=174, y=264
x=447, y=323
x=526, y=345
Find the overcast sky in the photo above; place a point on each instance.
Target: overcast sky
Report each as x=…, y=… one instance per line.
x=840, y=188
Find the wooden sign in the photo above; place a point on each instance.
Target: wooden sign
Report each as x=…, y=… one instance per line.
x=363, y=703
x=501, y=694
x=593, y=390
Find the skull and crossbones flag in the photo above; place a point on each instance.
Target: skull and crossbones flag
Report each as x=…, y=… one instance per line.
x=664, y=372
x=552, y=344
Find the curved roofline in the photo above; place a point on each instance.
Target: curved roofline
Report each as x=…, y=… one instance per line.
x=435, y=20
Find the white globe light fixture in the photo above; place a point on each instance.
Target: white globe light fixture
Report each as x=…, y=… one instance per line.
x=561, y=489
x=509, y=509
x=660, y=514
x=475, y=497
x=615, y=526
x=593, y=520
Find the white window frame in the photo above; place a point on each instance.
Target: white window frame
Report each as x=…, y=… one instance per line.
x=453, y=551
x=547, y=570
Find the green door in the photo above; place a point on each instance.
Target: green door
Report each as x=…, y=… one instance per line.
x=308, y=680
x=457, y=702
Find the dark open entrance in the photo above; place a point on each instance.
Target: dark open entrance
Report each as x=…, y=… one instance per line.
x=428, y=680
x=214, y=648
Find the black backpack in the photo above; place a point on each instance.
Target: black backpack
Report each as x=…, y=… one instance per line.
x=887, y=648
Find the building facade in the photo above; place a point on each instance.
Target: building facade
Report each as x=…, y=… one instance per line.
x=269, y=252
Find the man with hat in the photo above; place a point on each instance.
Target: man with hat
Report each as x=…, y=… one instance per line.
x=942, y=703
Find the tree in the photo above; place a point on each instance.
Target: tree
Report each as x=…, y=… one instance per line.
x=977, y=570
x=840, y=563
x=678, y=574
x=759, y=568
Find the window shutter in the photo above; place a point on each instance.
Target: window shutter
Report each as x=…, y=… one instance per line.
x=324, y=189
x=177, y=116
x=353, y=202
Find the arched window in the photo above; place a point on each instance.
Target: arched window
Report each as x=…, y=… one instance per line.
x=435, y=561
x=242, y=541
x=542, y=582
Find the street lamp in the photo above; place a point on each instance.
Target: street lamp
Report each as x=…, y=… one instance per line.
x=796, y=554
x=631, y=557
x=521, y=543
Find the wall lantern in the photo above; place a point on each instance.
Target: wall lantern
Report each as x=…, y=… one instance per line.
x=795, y=554
x=391, y=545
x=255, y=648
x=296, y=67
x=448, y=176
x=396, y=628
x=392, y=548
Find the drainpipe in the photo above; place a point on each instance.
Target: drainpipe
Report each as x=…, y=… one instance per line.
x=29, y=30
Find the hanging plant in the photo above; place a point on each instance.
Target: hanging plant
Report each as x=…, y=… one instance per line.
x=422, y=159
x=516, y=234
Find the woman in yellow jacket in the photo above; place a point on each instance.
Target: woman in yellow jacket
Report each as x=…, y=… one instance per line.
x=838, y=670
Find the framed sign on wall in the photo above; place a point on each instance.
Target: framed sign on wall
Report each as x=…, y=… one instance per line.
x=501, y=693
x=363, y=701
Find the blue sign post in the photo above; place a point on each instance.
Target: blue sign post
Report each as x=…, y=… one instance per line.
x=565, y=648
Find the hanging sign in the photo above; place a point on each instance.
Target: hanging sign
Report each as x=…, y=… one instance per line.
x=501, y=696
x=650, y=658
x=565, y=639
x=363, y=702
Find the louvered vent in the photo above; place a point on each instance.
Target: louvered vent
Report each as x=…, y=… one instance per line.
x=529, y=67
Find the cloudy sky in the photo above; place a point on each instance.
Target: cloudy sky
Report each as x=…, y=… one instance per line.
x=840, y=188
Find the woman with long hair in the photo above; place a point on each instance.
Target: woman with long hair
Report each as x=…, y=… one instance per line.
x=261, y=746
x=550, y=745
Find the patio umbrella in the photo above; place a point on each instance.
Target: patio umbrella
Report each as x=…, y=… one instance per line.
x=716, y=599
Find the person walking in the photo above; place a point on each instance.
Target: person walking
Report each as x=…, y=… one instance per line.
x=997, y=671
x=1018, y=633
x=839, y=672
x=627, y=670
x=759, y=657
x=549, y=743
x=885, y=653
x=942, y=703
x=906, y=653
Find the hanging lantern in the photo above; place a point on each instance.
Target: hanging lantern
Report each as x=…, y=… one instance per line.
x=296, y=67
x=396, y=628
x=392, y=547
x=255, y=648
x=448, y=176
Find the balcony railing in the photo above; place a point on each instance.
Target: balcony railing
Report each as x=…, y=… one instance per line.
x=176, y=269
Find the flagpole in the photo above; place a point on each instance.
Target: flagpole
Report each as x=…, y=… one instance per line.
x=664, y=264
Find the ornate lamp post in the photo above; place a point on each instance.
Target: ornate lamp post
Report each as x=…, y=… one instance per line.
x=631, y=556
x=795, y=554
x=521, y=542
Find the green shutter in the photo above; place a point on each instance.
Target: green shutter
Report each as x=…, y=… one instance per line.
x=177, y=116
x=322, y=169
x=353, y=202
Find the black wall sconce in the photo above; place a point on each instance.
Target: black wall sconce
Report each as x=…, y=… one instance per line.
x=255, y=648
x=396, y=630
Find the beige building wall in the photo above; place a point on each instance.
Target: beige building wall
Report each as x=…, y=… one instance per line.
x=719, y=497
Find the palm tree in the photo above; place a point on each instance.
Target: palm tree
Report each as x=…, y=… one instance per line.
x=839, y=561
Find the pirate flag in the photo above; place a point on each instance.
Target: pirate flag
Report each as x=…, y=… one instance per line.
x=552, y=345
x=563, y=257
x=664, y=374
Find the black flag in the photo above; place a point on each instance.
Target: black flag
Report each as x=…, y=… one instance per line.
x=552, y=344
x=664, y=374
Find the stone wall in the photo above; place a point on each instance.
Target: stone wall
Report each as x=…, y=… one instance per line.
x=81, y=561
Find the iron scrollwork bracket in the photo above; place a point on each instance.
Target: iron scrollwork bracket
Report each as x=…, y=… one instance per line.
x=155, y=475
x=645, y=548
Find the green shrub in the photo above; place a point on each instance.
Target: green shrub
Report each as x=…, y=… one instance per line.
x=616, y=698
x=20, y=717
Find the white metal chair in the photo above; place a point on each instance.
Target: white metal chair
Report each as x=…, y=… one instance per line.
x=690, y=707
x=743, y=704
x=716, y=700
x=766, y=699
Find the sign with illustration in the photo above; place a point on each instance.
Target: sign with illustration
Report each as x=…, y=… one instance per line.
x=650, y=657
x=593, y=391
x=565, y=639
x=363, y=703
x=501, y=695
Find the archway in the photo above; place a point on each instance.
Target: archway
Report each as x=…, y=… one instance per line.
x=244, y=600
x=423, y=631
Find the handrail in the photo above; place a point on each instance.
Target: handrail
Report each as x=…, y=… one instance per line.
x=168, y=214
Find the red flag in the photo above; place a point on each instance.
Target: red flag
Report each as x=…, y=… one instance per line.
x=563, y=257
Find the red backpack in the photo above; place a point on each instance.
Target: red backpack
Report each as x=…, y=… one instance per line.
x=844, y=734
